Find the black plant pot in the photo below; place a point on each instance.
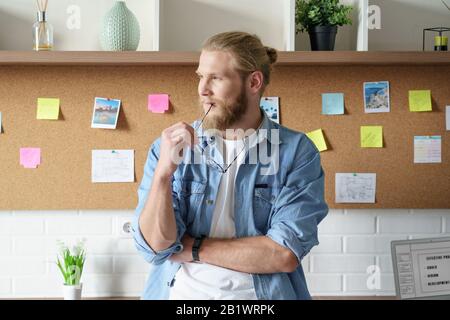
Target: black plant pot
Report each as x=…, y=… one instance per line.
x=322, y=37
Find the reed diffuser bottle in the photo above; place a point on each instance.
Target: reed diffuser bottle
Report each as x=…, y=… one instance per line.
x=42, y=29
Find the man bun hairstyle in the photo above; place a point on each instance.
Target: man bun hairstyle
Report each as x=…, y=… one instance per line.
x=273, y=54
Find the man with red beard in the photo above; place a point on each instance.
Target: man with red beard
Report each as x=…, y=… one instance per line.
x=237, y=223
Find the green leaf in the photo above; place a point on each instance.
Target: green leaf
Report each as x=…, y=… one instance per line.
x=72, y=264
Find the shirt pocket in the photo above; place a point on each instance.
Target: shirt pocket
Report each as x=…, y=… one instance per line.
x=263, y=202
x=192, y=193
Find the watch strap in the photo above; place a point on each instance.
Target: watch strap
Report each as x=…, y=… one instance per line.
x=196, y=248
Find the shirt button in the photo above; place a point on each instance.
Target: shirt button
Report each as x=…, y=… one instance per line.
x=209, y=202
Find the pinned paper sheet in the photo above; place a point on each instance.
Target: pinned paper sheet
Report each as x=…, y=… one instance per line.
x=332, y=103
x=447, y=117
x=427, y=149
x=271, y=107
x=420, y=100
x=30, y=157
x=355, y=187
x=0, y=122
x=47, y=109
x=318, y=139
x=158, y=103
x=112, y=166
x=371, y=137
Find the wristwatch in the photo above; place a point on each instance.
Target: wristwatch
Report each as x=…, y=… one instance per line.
x=196, y=247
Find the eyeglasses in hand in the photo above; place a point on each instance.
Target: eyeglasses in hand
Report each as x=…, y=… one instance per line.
x=203, y=144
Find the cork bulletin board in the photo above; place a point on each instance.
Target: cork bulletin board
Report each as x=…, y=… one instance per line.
x=63, y=180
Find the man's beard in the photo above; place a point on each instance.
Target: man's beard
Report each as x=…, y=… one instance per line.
x=224, y=116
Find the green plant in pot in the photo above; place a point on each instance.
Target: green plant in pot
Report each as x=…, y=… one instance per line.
x=321, y=18
x=71, y=262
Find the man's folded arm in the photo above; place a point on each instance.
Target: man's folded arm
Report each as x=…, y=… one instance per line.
x=149, y=254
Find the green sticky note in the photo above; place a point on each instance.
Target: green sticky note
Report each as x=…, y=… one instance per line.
x=317, y=137
x=48, y=109
x=371, y=137
x=420, y=100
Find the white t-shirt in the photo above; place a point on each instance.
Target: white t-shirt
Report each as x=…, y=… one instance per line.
x=202, y=281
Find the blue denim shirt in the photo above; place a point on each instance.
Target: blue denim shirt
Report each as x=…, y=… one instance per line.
x=285, y=206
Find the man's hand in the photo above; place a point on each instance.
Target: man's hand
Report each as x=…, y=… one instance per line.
x=186, y=254
x=173, y=140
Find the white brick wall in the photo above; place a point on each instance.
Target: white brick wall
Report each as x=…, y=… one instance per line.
x=28, y=247
x=350, y=242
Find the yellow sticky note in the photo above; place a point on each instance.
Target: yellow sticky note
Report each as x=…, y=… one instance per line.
x=371, y=137
x=48, y=109
x=420, y=100
x=317, y=137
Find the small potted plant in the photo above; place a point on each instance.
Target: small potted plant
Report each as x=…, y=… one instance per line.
x=71, y=266
x=321, y=19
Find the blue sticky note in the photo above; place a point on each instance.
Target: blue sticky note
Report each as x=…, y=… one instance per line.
x=332, y=103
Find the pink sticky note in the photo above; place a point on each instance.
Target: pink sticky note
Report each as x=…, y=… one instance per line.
x=30, y=157
x=158, y=103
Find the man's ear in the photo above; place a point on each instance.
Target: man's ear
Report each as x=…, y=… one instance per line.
x=256, y=79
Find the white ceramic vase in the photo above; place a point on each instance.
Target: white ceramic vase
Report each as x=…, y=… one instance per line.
x=72, y=292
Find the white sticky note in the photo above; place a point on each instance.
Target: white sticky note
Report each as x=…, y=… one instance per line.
x=355, y=187
x=112, y=166
x=427, y=149
x=447, y=118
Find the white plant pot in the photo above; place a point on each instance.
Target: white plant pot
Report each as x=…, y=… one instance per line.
x=72, y=292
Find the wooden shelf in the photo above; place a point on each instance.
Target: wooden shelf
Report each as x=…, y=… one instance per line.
x=97, y=58
x=191, y=58
x=363, y=58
